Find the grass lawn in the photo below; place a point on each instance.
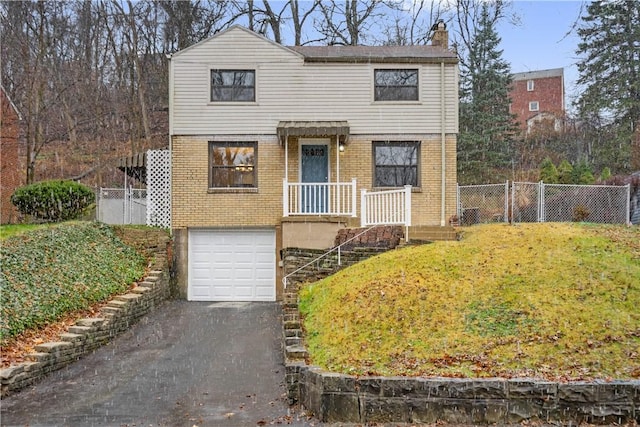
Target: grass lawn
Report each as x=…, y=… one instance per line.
x=555, y=301
x=7, y=231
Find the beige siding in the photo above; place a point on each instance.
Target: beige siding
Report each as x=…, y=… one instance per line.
x=289, y=89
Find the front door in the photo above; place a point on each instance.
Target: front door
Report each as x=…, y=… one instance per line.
x=314, y=169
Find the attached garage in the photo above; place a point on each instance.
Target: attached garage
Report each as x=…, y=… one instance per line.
x=232, y=265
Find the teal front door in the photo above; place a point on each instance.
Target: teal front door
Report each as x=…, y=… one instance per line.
x=314, y=169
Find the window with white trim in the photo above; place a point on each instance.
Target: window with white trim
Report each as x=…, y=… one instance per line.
x=396, y=163
x=533, y=106
x=233, y=85
x=530, y=85
x=233, y=164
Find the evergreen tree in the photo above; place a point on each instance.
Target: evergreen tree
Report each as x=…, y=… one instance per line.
x=605, y=174
x=548, y=172
x=582, y=174
x=486, y=126
x=610, y=72
x=565, y=172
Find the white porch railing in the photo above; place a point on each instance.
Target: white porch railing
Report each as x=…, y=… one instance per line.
x=387, y=207
x=305, y=198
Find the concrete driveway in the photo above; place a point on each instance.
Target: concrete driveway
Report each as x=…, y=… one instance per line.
x=185, y=364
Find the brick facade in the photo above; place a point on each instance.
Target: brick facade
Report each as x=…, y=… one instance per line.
x=546, y=88
x=10, y=177
x=195, y=205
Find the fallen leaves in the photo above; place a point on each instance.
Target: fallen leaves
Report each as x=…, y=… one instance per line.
x=548, y=300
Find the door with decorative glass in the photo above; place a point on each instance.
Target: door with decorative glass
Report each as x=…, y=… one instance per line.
x=314, y=170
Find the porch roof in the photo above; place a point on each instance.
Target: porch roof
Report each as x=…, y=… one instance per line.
x=312, y=129
x=134, y=166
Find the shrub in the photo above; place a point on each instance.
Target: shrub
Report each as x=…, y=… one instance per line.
x=53, y=200
x=580, y=213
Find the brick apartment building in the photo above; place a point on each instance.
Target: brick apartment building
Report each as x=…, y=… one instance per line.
x=537, y=96
x=9, y=147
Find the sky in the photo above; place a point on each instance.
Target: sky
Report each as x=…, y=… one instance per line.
x=544, y=38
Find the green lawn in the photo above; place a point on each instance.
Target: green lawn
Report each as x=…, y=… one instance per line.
x=557, y=301
x=7, y=231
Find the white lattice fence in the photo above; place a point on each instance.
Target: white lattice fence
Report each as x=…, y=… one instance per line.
x=159, y=188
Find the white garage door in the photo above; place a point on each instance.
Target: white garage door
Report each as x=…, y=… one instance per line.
x=232, y=265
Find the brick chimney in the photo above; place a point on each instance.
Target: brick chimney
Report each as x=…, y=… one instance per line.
x=440, y=36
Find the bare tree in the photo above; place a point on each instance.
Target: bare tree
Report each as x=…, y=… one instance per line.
x=299, y=18
x=413, y=24
x=90, y=78
x=188, y=22
x=263, y=18
x=349, y=22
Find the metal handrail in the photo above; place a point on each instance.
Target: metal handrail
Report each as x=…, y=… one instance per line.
x=284, y=279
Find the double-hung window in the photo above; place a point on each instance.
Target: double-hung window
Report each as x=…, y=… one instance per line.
x=233, y=164
x=396, y=85
x=530, y=85
x=396, y=163
x=233, y=85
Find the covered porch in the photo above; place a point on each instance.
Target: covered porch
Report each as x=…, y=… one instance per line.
x=312, y=184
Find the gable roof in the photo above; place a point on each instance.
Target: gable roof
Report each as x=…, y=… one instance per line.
x=538, y=74
x=376, y=54
x=233, y=28
x=352, y=54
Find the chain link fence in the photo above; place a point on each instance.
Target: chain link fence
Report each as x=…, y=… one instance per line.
x=122, y=206
x=483, y=203
x=540, y=202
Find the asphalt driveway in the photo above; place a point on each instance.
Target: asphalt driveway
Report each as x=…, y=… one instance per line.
x=185, y=364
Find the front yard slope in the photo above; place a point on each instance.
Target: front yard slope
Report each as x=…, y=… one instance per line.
x=554, y=301
x=49, y=272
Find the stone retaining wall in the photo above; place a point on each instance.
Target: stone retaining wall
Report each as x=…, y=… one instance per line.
x=88, y=334
x=342, y=398
x=335, y=398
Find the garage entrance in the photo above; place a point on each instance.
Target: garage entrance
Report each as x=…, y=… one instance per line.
x=232, y=265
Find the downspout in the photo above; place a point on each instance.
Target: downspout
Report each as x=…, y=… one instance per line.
x=443, y=139
x=170, y=142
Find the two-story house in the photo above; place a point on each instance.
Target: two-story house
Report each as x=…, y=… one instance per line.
x=274, y=146
x=538, y=96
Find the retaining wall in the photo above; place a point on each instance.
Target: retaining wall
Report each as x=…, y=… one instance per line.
x=114, y=318
x=342, y=398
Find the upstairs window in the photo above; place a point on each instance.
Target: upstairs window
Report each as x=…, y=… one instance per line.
x=396, y=164
x=533, y=106
x=232, y=164
x=396, y=85
x=233, y=86
x=530, y=85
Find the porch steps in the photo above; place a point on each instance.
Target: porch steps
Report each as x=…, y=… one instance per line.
x=431, y=233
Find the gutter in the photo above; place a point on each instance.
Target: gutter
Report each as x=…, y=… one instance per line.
x=443, y=140
x=171, y=83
